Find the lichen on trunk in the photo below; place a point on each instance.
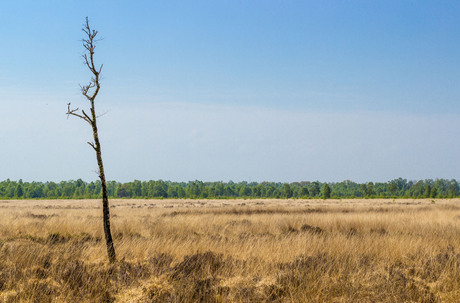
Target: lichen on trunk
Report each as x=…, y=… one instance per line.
x=90, y=92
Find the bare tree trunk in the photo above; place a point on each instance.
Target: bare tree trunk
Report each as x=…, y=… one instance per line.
x=90, y=91
x=105, y=199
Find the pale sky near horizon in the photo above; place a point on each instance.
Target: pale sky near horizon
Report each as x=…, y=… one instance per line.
x=234, y=90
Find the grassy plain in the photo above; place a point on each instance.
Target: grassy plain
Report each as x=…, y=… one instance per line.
x=232, y=251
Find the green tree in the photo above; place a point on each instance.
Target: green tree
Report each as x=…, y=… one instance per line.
x=326, y=191
x=194, y=189
x=434, y=192
x=427, y=192
x=304, y=191
x=287, y=190
x=137, y=188
x=314, y=188
x=173, y=192
x=369, y=189
x=245, y=191
x=453, y=188
x=257, y=190
x=392, y=188
x=10, y=189
x=19, y=191
x=124, y=191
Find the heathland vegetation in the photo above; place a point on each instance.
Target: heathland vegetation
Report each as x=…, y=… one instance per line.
x=254, y=250
x=398, y=188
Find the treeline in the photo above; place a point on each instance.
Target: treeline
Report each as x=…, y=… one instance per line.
x=398, y=188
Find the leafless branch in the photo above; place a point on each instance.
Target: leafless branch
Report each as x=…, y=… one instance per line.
x=90, y=92
x=103, y=114
x=85, y=88
x=87, y=117
x=92, y=145
x=89, y=43
x=73, y=112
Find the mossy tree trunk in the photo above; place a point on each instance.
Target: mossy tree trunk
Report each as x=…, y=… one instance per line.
x=90, y=92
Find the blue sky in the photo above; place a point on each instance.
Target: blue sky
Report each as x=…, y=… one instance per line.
x=234, y=90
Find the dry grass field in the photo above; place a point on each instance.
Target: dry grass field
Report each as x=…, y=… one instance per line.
x=231, y=251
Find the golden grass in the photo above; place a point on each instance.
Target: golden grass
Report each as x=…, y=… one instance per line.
x=232, y=251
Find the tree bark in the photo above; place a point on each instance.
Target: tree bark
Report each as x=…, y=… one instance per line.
x=105, y=200
x=90, y=92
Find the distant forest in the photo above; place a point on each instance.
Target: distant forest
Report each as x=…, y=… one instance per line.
x=398, y=188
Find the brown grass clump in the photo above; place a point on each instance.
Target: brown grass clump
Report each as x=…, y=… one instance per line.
x=214, y=251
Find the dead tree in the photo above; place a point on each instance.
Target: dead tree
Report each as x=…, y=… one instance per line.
x=90, y=92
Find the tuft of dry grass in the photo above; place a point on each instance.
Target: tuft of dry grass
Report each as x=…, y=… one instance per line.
x=232, y=251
